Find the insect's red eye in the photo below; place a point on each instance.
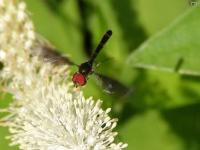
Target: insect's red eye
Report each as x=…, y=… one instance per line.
x=79, y=79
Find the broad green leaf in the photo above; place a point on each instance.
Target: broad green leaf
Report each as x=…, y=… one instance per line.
x=174, y=49
x=157, y=14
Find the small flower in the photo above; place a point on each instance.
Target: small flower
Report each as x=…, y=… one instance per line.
x=2, y=55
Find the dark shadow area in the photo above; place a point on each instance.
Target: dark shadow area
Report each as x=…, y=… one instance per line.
x=191, y=78
x=84, y=13
x=185, y=122
x=128, y=112
x=187, y=89
x=147, y=94
x=1, y=65
x=190, y=93
x=133, y=33
x=148, y=89
x=54, y=5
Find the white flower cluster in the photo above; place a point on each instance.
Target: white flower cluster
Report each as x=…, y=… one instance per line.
x=47, y=112
x=16, y=38
x=58, y=119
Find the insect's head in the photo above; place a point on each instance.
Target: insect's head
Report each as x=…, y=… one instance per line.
x=79, y=79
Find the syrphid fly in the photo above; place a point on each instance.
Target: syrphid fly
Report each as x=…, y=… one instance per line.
x=85, y=69
x=79, y=78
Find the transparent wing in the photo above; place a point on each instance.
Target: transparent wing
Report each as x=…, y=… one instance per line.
x=111, y=86
x=49, y=53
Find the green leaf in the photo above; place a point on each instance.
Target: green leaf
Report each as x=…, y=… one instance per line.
x=157, y=14
x=174, y=49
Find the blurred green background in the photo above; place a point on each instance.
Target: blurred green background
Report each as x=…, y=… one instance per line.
x=162, y=109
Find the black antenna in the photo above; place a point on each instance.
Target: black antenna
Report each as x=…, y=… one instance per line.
x=103, y=41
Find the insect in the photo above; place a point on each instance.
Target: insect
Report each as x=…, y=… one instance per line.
x=85, y=69
x=48, y=53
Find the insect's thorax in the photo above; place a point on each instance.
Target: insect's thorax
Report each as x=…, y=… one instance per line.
x=85, y=68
